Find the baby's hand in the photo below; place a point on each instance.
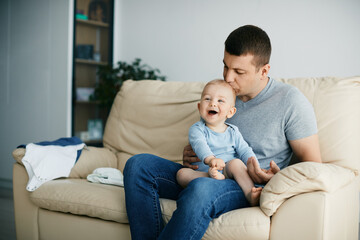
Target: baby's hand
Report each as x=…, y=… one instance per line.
x=217, y=163
x=214, y=173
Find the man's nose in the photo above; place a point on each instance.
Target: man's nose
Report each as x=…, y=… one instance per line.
x=229, y=77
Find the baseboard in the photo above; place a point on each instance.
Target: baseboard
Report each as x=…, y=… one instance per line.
x=6, y=183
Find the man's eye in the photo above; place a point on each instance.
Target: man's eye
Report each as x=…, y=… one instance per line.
x=239, y=73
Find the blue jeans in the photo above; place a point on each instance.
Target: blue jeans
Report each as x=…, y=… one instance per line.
x=148, y=178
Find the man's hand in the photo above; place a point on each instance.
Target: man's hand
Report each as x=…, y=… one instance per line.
x=189, y=157
x=259, y=175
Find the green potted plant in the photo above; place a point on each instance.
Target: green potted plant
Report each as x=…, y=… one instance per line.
x=111, y=79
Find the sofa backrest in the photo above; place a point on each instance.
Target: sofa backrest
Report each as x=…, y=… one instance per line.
x=154, y=117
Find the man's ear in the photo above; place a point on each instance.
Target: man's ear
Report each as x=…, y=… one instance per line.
x=265, y=71
x=231, y=112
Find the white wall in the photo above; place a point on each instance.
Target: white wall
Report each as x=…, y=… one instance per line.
x=184, y=39
x=35, y=75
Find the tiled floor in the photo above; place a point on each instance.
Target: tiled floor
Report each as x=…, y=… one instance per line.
x=7, y=219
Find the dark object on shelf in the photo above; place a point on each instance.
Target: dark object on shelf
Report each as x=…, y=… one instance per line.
x=112, y=78
x=84, y=51
x=98, y=11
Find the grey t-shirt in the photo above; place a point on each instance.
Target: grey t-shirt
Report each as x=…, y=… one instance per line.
x=279, y=113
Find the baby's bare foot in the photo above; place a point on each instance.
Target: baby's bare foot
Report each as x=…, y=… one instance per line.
x=255, y=196
x=214, y=173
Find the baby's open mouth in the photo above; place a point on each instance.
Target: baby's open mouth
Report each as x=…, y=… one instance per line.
x=212, y=112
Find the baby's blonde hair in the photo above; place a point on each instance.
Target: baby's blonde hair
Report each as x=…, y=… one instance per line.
x=222, y=83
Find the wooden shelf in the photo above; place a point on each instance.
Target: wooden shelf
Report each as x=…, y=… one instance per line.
x=97, y=34
x=93, y=23
x=90, y=62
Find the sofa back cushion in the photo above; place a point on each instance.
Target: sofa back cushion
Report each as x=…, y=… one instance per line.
x=152, y=117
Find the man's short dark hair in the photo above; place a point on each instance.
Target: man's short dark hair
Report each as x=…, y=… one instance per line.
x=252, y=40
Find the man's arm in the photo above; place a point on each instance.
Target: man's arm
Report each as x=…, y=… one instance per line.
x=306, y=150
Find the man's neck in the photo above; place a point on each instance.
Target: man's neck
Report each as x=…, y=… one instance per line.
x=256, y=92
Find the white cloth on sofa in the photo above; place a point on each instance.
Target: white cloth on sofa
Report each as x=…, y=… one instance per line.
x=45, y=163
x=105, y=175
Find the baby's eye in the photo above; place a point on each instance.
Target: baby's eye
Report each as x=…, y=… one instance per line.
x=207, y=99
x=221, y=100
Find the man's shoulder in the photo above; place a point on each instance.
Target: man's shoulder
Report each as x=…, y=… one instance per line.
x=281, y=86
x=288, y=92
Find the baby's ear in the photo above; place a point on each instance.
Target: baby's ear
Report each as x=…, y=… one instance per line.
x=199, y=106
x=231, y=112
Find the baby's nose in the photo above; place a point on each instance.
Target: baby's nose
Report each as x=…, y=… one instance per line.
x=213, y=103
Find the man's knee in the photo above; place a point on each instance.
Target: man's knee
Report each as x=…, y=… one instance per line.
x=139, y=159
x=136, y=164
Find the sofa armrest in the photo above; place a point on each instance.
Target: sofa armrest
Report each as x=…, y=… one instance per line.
x=18, y=155
x=90, y=159
x=301, y=178
x=318, y=215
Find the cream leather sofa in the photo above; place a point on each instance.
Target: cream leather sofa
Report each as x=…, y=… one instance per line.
x=303, y=201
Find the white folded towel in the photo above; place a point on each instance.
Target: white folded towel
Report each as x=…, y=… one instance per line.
x=45, y=163
x=110, y=176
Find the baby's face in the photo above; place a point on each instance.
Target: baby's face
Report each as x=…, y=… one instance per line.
x=216, y=104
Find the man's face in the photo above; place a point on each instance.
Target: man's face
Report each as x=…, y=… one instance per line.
x=242, y=75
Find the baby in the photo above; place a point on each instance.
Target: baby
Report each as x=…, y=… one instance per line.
x=219, y=145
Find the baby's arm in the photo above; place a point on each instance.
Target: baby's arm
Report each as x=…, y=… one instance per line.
x=198, y=141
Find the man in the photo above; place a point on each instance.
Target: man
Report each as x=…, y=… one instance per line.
x=274, y=118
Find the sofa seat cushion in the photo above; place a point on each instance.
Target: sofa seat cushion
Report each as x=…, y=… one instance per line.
x=246, y=223
x=77, y=196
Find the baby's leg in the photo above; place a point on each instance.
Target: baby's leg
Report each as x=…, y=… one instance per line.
x=237, y=170
x=185, y=175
